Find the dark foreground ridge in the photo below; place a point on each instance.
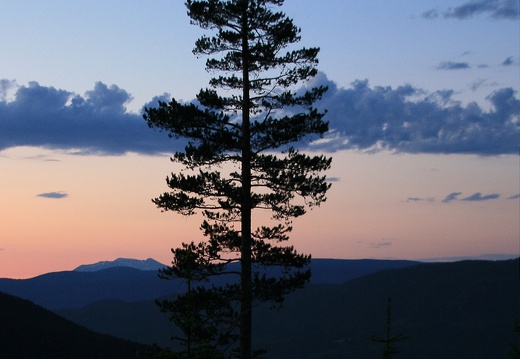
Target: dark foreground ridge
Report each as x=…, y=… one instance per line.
x=29, y=331
x=455, y=310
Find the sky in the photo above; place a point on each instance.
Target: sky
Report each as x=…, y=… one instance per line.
x=423, y=110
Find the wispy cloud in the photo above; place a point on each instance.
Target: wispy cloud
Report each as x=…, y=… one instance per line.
x=430, y=14
x=496, y=9
x=455, y=196
x=420, y=199
x=477, y=84
x=44, y=158
x=451, y=197
x=383, y=243
x=477, y=197
x=449, y=65
x=53, y=195
x=333, y=179
x=508, y=62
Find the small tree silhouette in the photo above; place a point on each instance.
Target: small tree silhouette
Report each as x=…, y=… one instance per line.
x=514, y=352
x=199, y=313
x=389, y=351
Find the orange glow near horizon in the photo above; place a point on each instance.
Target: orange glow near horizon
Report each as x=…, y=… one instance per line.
x=108, y=214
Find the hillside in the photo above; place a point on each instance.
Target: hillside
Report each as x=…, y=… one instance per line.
x=29, y=331
x=449, y=310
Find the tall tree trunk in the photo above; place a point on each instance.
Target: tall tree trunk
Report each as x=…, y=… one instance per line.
x=246, y=206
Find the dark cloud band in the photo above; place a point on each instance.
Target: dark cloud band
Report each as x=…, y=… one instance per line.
x=96, y=123
x=364, y=118
x=408, y=120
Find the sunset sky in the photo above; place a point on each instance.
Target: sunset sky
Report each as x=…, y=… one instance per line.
x=423, y=107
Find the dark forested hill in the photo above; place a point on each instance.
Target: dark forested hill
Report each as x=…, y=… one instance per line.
x=29, y=331
x=449, y=310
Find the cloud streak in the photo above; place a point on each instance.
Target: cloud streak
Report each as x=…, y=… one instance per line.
x=404, y=119
x=508, y=62
x=496, y=9
x=420, y=199
x=383, y=243
x=455, y=196
x=451, y=197
x=449, y=65
x=475, y=197
x=478, y=197
x=53, y=195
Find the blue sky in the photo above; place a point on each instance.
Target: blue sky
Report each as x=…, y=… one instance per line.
x=429, y=85
x=421, y=63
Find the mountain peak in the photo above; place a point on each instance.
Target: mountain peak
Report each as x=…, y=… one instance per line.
x=145, y=265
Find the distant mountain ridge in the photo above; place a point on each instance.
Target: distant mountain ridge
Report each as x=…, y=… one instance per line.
x=75, y=289
x=146, y=265
x=78, y=288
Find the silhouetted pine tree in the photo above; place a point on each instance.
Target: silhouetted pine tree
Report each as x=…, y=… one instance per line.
x=388, y=351
x=240, y=158
x=514, y=352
